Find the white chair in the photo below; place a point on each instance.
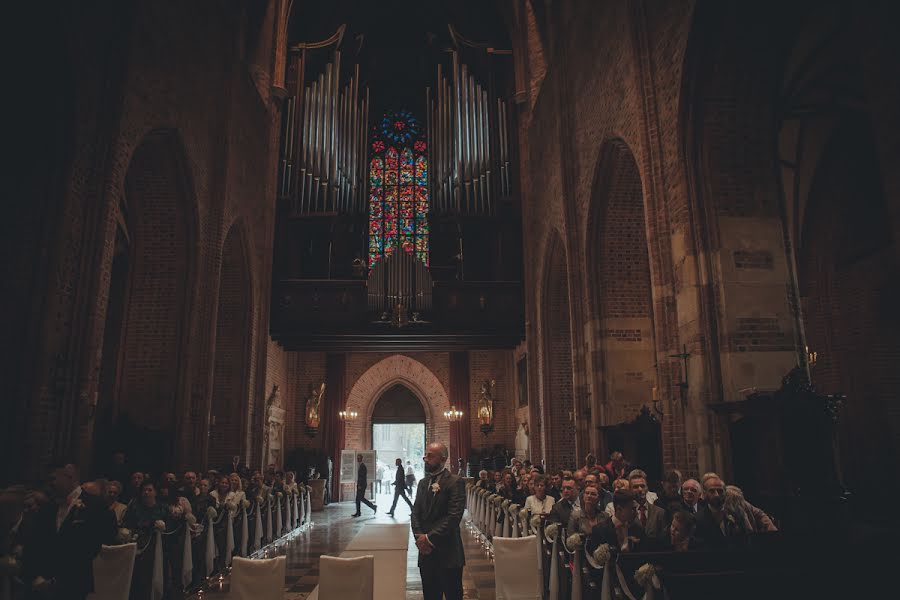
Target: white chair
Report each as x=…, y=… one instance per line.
x=514, y=574
x=261, y=579
x=113, y=568
x=346, y=578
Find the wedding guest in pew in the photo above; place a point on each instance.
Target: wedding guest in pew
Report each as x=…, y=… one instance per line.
x=605, y=495
x=553, y=490
x=483, y=482
x=618, y=484
x=681, y=532
x=188, y=487
x=589, y=518
x=721, y=525
x=651, y=517
x=621, y=532
x=143, y=514
x=579, y=476
x=691, y=496
x=497, y=480
x=651, y=495
x=67, y=534
x=670, y=498
x=222, y=495
x=202, y=500
x=562, y=510
x=290, y=482
x=133, y=491
x=113, y=490
x=539, y=503
x=759, y=521
x=617, y=467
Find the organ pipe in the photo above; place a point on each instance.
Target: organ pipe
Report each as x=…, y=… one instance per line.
x=323, y=150
x=469, y=149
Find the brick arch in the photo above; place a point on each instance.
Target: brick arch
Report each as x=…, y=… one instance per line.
x=620, y=290
x=153, y=372
x=398, y=368
x=230, y=403
x=559, y=439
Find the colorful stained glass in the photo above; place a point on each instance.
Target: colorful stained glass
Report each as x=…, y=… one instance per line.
x=398, y=192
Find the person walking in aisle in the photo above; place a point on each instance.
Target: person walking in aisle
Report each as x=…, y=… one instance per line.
x=362, y=481
x=399, y=487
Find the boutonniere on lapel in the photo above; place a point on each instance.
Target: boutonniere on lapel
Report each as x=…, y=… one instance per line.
x=77, y=503
x=435, y=487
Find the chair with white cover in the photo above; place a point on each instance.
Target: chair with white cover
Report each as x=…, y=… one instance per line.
x=347, y=578
x=258, y=579
x=515, y=575
x=113, y=568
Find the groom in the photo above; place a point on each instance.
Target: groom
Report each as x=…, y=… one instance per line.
x=440, y=502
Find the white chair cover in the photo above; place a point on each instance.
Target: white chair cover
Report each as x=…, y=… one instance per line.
x=513, y=521
x=347, y=578
x=258, y=579
x=229, y=538
x=279, y=526
x=245, y=531
x=113, y=569
x=257, y=528
x=513, y=580
x=187, y=558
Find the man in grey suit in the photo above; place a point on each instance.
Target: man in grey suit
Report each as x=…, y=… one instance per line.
x=440, y=502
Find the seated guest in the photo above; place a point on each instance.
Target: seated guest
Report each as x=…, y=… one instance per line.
x=278, y=485
x=562, y=510
x=618, y=484
x=113, y=489
x=553, y=489
x=142, y=515
x=66, y=536
x=539, y=503
x=670, y=499
x=483, y=482
x=720, y=525
x=691, y=496
x=605, y=496
x=617, y=467
x=257, y=489
x=589, y=517
x=651, y=517
x=169, y=478
x=758, y=520
x=133, y=491
x=621, y=531
x=188, y=487
x=236, y=491
x=222, y=495
x=290, y=482
x=681, y=531
x=498, y=480
x=202, y=500
x=579, y=475
x=651, y=496
x=590, y=463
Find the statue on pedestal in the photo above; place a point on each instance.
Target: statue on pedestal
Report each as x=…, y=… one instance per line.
x=486, y=406
x=313, y=404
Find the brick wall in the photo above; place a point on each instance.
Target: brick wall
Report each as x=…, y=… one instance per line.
x=497, y=365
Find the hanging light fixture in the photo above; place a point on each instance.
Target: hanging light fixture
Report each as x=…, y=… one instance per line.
x=453, y=415
x=347, y=415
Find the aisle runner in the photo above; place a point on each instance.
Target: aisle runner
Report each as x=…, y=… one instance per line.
x=388, y=544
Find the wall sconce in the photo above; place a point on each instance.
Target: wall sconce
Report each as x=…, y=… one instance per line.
x=347, y=415
x=654, y=397
x=811, y=357
x=453, y=415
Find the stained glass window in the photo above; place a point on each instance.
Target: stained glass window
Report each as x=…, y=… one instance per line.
x=398, y=188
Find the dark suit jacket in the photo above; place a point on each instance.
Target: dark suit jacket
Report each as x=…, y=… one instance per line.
x=711, y=535
x=67, y=554
x=400, y=477
x=561, y=512
x=656, y=522
x=362, y=477
x=438, y=515
x=605, y=533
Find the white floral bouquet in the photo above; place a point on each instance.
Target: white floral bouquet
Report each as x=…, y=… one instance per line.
x=536, y=522
x=190, y=519
x=551, y=531
x=259, y=499
x=159, y=525
x=645, y=575
x=279, y=494
x=246, y=503
x=9, y=566
x=124, y=535
x=574, y=541
x=176, y=511
x=523, y=514
x=498, y=500
x=514, y=509
x=602, y=554
x=230, y=507
x=211, y=513
x=77, y=503
x=505, y=504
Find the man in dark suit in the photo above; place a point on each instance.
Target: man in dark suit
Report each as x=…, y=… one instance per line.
x=439, y=507
x=68, y=533
x=562, y=510
x=399, y=487
x=622, y=532
x=651, y=517
x=362, y=481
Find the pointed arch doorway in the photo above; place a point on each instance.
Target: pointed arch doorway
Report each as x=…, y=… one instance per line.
x=398, y=431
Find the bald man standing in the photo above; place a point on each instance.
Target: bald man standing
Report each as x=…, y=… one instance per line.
x=439, y=507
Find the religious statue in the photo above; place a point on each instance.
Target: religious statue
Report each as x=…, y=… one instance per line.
x=486, y=406
x=313, y=404
x=272, y=433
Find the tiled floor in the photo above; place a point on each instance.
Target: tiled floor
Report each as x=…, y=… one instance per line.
x=333, y=530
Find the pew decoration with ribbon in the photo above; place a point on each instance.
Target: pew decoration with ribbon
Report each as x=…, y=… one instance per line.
x=196, y=553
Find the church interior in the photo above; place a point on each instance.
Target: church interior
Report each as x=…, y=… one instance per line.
x=636, y=240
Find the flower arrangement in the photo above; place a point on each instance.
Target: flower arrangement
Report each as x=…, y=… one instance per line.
x=523, y=514
x=123, y=535
x=536, y=522
x=645, y=574
x=505, y=504
x=230, y=507
x=159, y=525
x=514, y=509
x=190, y=519
x=602, y=554
x=551, y=531
x=279, y=494
x=246, y=503
x=259, y=499
x=574, y=541
x=176, y=511
x=77, y=503
x=211, y=513
x=498, y=500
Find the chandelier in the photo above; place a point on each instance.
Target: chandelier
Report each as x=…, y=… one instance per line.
x=347, y=415
x=453, y=415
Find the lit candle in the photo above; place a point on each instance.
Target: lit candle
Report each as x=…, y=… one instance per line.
x=655, y=393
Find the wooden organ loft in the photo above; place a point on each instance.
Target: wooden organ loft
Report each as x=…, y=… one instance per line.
x=328, y=294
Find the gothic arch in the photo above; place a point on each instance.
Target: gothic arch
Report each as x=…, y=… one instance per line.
x=383, y=375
